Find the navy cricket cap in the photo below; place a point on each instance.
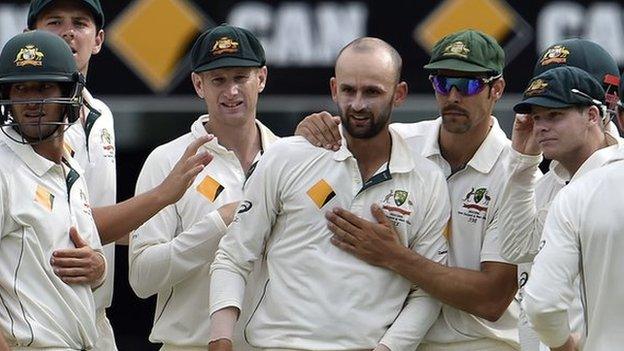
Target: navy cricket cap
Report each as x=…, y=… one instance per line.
x=226, y=46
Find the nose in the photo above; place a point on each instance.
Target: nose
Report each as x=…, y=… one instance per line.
x=232, y=91
x=454, y=95
x=359, y=103
x=67, y=32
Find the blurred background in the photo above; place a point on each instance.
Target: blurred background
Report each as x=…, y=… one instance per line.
x=143, y=72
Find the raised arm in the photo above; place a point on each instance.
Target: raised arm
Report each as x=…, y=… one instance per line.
x=113, y=222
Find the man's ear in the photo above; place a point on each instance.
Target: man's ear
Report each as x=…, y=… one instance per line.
x=262, y=76
x=497, y=89
x=197, y=84
x=99, y=41
x=400, y=93
x=333, y=87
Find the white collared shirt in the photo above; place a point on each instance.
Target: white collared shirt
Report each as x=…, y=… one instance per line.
x=40, y=201
x=582, y=239
x=316, y=296
x=92, y=145
x=474, y=235
x=170, y=254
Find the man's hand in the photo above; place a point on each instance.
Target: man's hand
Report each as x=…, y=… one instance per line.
x=220, y=345
x=190, y=164
x=321, y=129
x=228, y=211
x=375, y=243
x=522, y=137
x=81, y=265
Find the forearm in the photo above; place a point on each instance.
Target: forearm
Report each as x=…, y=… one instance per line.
x=115, y=221
x=411, y=325
x=520, y=227
x=475, y=292
x=157, y=266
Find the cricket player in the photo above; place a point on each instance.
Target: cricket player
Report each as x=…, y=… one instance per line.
x=466, y=142
x=91, y=142
x=44, y=203
x=170, y=255
x=315, y=296
x=582, y=240
x=576, y=148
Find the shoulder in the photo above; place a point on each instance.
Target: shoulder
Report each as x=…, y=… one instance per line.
x=418, y=129
x=293, y=148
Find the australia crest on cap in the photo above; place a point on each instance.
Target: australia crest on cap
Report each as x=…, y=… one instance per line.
x=536, y=87
x=555, y=54
x=225, y=45
x=29, y=55
x=457, y=48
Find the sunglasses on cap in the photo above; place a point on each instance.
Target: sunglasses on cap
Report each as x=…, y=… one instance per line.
x=467, y=86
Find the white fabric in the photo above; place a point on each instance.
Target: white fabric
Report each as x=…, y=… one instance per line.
x=93, y=147
x=474, y=235
x=582, y=238
x=318, y=297
x=37, y=209
x=524, y=206
x=170, y=254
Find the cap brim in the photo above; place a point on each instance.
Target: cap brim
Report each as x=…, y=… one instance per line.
x=525, y=106
x=226, y=62
x=457, y=65
x=22, y=77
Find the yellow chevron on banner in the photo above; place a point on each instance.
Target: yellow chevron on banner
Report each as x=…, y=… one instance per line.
x=494, y=17
x=152, y=36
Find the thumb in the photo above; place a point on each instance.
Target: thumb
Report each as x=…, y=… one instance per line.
x=336, y=119
x=379, y=215
x=76, y=238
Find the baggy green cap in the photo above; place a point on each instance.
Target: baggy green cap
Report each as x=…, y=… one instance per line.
x=556, y=88
x=226, y=46
x=37, y=56
x=37, y=6
x=468, y=51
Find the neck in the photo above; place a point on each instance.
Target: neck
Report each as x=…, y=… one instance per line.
x=459, y=149
x=572, y=161
x=370, y=153
x=51, y=149
x=244, y=140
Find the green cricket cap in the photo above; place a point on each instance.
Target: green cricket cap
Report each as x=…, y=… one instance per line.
x=468, y=51
x=226, y=46
x=38, y=6
x=561, y=87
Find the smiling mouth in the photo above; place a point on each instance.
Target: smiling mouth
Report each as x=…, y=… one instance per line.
x=231, y=104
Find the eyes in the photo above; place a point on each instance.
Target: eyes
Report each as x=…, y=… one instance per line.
x=41, y=88
x=56, y=22
x=238, y=79
x=367, y=91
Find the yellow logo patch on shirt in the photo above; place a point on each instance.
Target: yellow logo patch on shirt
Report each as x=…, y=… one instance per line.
x=321, y=193
x=44, y=197
x=210, y=188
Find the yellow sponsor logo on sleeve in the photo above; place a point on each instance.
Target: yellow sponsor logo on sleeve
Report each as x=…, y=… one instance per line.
x=44, y=198
x=321, y=193
x=210, y=188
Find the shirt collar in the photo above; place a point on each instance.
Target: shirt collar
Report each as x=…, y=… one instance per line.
x=487, y=154
x=401, y=160
x=37, y=163
x=198, y=130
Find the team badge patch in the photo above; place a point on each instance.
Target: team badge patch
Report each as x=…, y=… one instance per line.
x=210, y=188
x=107, y=144
x=536, y=87
x=555, y=54
x=475, y=204
x=399, y=197
x=397, y=206
x=321, y=193
x=457, y=48
x=44, y=198
x=224, y=45
x=29, y=55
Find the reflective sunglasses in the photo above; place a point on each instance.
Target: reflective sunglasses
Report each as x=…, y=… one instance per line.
x=467, y=86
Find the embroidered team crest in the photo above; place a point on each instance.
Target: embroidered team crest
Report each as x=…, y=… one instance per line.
x=397, y=206
x=555, y=54
x=107, y=141
x=477, y=199
x=457, y=48
x=321, y=193
x=29, y=55
x=44, y=198
x=85, y=202
x=225, y=45
x=399, y=197
x=536, y=87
